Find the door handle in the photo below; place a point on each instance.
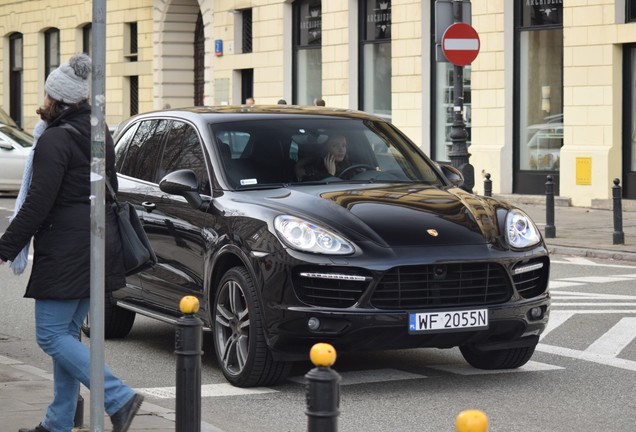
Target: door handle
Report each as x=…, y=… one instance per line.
x=149, y=206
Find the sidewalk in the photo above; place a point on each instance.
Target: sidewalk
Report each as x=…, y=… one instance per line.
x=25, y=391
x=582, y=231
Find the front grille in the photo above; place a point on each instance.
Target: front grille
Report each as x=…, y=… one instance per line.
x=442, y=285
x=532, y=283
x=328, y=292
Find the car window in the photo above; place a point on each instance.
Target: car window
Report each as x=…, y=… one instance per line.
x=17, y=135
x=266, y=152
x=183, y=150
x=142, y=151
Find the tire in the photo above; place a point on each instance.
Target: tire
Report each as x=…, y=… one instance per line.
x=117, y=321
x=510, y=358
x=239, y=339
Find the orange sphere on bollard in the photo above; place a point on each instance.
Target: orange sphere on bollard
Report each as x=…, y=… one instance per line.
x=189, y=305
x=322, y=354
x=471, y=421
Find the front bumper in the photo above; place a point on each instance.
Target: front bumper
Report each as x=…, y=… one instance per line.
x=510, y=325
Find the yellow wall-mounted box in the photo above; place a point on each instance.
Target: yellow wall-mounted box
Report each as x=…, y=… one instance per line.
x=583, y=170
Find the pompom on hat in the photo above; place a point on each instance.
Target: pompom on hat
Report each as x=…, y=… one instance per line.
x=69, y=82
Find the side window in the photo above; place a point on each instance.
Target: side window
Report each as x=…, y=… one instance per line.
x=183, y=151
x=141, y=156
x=121, y=146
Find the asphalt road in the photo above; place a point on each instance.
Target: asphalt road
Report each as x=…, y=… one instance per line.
x=582, y=376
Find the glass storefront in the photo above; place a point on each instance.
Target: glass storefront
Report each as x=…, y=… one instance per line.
x=307, y=83
x=375, y=58
x=538, y=94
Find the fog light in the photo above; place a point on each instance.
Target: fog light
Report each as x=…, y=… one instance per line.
x=313, y=323
x=535, y=313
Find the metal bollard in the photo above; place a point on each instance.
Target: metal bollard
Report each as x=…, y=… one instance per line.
x=188, y=340
x=619, y=235
x=488, y=186
x=322, y=390
x=550, y=229
x=471, y=421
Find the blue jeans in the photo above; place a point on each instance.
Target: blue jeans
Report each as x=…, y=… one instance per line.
x=57, y=327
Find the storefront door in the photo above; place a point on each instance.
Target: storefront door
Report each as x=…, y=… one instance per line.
x=629, y=122
x=538, y=95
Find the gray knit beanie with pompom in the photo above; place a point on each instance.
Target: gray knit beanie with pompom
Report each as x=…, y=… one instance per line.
x=69, y=82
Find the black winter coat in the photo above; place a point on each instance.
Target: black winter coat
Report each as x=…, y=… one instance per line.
x=56, y=213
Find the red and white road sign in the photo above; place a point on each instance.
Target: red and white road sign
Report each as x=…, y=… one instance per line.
x=460, y=44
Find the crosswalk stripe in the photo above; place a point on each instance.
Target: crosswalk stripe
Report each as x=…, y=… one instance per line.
x=561, y=284
x=587, y=296
x=588, y=356
x=616, y=338
x=596, y=304
x=599, y=279
x=368, y=376
x=556, y=319
x=465, y=369
x=207, y=390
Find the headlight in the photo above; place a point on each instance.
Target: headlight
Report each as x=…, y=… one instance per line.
x=521, y=232
x=307, y=237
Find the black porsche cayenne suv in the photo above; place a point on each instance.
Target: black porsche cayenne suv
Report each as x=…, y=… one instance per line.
x=384, y=252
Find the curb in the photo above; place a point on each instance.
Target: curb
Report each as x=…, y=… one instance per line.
x=592, y=253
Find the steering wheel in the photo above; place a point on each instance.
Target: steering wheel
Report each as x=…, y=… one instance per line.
x=367, y=167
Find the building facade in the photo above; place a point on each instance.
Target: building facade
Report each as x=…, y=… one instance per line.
x=550, y=93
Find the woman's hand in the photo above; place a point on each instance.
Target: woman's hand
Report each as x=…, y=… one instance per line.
x=330, y=164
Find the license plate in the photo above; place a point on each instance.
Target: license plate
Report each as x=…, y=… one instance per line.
x=422, y=322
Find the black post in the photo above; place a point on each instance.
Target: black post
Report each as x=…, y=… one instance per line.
x=619, y=235
x=458, y=153
x=188, y=340
x=323, y=399
x=488, y=186
x=550, y=230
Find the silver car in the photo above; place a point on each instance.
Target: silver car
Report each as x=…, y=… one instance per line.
x=15, y=145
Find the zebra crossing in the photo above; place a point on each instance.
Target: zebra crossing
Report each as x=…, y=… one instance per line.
x=605, y=350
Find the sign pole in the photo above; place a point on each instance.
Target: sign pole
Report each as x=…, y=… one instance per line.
x=458, y=154
x=98, y=134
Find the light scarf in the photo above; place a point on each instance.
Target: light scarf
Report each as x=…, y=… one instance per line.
x=20, y=262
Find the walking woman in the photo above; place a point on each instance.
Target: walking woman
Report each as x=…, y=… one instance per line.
x=53, y=207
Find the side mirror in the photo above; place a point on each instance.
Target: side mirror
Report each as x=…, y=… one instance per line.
x=452, y=174
x=183, y=182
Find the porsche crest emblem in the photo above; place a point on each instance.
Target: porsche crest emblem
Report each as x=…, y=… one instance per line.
x=432, y=232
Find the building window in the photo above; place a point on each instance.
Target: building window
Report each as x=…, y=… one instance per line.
x=199, y=61
x=631, y=10
x=246, y=15
x=51, y=51
x=130, y=47
x=86, y=39
x=15, y=79
x=307, y=56
x=375, y=57
x=539, y=92
x=629, y=121
x=134, y=94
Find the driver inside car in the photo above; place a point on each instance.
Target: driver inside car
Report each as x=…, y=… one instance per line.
x=332, y=162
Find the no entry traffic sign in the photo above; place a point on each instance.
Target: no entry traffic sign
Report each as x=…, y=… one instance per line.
x=460, y=44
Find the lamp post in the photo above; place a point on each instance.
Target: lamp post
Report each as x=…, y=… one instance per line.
x=459, y=151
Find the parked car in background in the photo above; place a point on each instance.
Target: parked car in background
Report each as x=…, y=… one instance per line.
x=390, y=254
x=544, y=145
x=15, y=145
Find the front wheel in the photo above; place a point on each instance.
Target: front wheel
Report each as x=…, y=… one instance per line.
x=239, y=339
x=510, y=358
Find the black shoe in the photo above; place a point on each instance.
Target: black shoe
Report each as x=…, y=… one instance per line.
x=123, y=418
x=38, y=428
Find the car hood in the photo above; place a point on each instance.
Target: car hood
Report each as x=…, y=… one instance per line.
x=394, y=215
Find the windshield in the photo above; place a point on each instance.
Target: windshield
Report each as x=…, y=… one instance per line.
x=305, y=150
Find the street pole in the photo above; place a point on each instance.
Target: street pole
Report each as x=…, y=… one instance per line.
x=459, y=152
x=98, y=138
